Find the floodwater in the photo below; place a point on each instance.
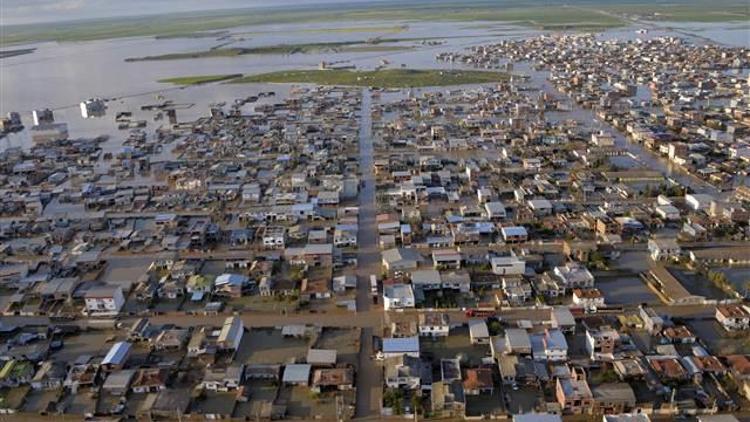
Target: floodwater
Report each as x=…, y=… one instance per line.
x=60, y=75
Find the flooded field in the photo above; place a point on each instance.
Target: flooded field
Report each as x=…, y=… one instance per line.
x=718, y=339
x=698, y=285
x=740, y=279
x=620, y=290
x=64, y=73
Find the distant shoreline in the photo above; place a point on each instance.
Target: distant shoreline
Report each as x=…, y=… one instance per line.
x=568, y=15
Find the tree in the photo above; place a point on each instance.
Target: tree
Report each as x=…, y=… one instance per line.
x=394, y=398
x=416, y=403
x=494, y=327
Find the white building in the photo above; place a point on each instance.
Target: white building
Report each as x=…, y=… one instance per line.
x=105, y=300
x=328, y=198
x=434, y=325
x=540, y=207
x=603, y=139
x=495, y=210
x=427, y=279
x=574, y=275
x=588, y=298
x=550, y=346
x=664, y=249
x=41, y=117
x=251, y=193
x=667, y=212
x=398, y=296
x=733, y=317
x=698, y=201
x=93, y=107
x=274, y=237
x=508, y=265
x=345, y=236
x=651, y=320
x=479, y=333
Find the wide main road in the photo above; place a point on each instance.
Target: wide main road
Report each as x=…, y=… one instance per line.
x=369, y=374
x=371, y=319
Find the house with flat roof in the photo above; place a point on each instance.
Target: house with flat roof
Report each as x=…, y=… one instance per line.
x=434, y=324
x=401, y=346
x=401, y=259
x=408, y=372
x=514, y=234
x=478, y=381
x=104, y=300
x=297, y=374
x=664, y=249
x=427, y=279
x=518, y=341
x=733, y=317
x=574, y=395
x=398, y=296
x=478, y=331
x=321, y=357
x=333, y=379
x=507, y=265
x=613, y=398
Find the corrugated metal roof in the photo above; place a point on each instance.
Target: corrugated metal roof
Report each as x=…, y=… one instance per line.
x=401, y=345
x=117, y=354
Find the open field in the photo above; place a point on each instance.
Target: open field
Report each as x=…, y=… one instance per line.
x=391, y=78
x=343, y=46
x=534, y=13
x=267, y=346
x=197, y=80
x=238, y=51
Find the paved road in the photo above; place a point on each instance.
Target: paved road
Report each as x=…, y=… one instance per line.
x=369, y=374
x=372, y=319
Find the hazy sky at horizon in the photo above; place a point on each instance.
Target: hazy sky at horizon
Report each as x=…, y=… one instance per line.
x=14, y=12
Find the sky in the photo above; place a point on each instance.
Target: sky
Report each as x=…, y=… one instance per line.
x=14, y=12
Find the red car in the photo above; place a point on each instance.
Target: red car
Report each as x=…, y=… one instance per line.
x=480, y=313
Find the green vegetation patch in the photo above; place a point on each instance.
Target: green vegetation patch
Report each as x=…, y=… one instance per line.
x=389, y=78
x=374, y=48
x=197, y=80
x=373, y=45
x=4, y=54
x=195, y=35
